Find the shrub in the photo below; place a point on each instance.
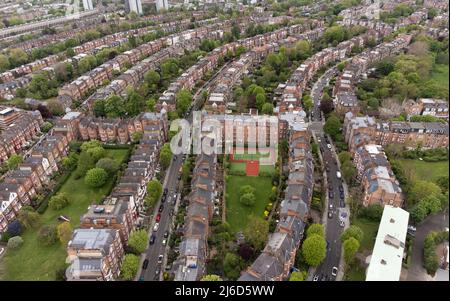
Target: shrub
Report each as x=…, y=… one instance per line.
x=58, y=201
x=96, y=177
x=248, y=199
x=15, y=242
x=108, y=164
x=14, y=228
x=48, y=235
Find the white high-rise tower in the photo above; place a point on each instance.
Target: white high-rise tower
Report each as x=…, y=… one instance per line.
x=134, y=5
x=162, y=4
x=87, y=5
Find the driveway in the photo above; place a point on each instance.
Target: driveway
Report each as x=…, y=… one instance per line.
x=437, y=222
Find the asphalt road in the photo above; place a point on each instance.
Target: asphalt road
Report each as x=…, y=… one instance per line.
x=156, y=249
x=333, y=228
x=416, y=271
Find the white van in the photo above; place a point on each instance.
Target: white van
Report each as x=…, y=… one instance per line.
x=338, y=174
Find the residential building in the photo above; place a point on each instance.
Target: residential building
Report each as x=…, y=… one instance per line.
x=133, y=6
x=389, y=250
x=94, y=254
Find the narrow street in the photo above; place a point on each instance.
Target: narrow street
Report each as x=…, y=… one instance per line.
x=335, y=206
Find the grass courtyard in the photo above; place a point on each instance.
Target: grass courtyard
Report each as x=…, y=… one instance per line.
x=237, y=214
x=429, y=171
x=370, y=229
x=36, y=262
x=440, y=74
x=240, y=167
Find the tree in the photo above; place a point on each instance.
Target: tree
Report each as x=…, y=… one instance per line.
x=55, y=107
x=348, y=171
x=99, y=108
x=14, y=243
x=151, y=102
x=96, y=177
x=85, y=146
x=332, y=126
x=315, y=229
x=114, y=106
x=232, y=266
x=246, y=189
x=14, y=161
x=108, y=164
x=184, y=100
x=137, y=136
x=297, y=276
x=307, y=103
x=351, y=246
x=335, y=34
x=352, y=232
x=422, y=189
x=4, y=63
x=267, y=108
x=165, y=156
x=58, y=201
x=46, y=126
x=134, y=104
x=28, y=217
x=138, y=240
x=48, y=235
x=248, y=199
x=17, y=57
x=14, y=228
x=326, y=104
x=211, y=277
x=256, y=232
x=154, y=189
x=64, y=231
x=344, y=157
x=129, y=267
x=96, y=153
x=314, y=250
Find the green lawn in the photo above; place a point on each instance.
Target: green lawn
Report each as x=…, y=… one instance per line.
x=370, y=230
x=237, y=214
x=426, y=170
x=241, y=167
x=36, y=262
x=440, y=75
x=246, y=156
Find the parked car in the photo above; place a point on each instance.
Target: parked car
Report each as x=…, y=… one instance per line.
x=329, y=145
x=158, y=217
x=327, y=168
x=341, y=188
x=330, y=214
x=334, y=271
x=412, y=228
x=156, y=227
x=161, y=208
x=342, y=224
x=341, y=195
x=152, y=239
x=338, y=174
x=145, y=264
x=157, y=271
x=316, y=278
x=160, y=258
x=164, y=241
x=141, y=278
x=166, y=234
x=330, y=194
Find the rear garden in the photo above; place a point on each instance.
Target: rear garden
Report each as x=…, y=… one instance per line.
x=35, y=260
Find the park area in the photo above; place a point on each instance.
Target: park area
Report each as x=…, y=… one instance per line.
x=33, y=261
x=427, y=171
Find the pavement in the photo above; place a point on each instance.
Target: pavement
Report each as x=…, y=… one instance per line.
x=437, y=222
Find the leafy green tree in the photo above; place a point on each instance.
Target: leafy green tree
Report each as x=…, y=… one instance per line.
x=138, y=240
x=307, y=103
x=28, y=217
x=351, y=247
x=315, y=229
x=64, y=231
x=85, y=146
x=165, y=156
x=96, y=177
x=232, y=265
x=211, y=277
x=14, y=161
x=129, y=267
x=348, y=171
x=154, y=189
x=46, y=126
x=184, y=100
x=247, y=199
x=134, y=104
x=267, y=108
x=256, y=232
x=17, y=57
x=99, y=108
x=344, y=157
x=114, y=106
x=247, y=189
x=151, y=102
x=96, y=152
x=108, y=164
x=352, y=232
x=4, y=63
x=332, y=126
x=137, y=136
x=335, y=34
x=58, y=201
x=297, y=276
x=422, y=189
x=314, y=250
x=48, y=235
